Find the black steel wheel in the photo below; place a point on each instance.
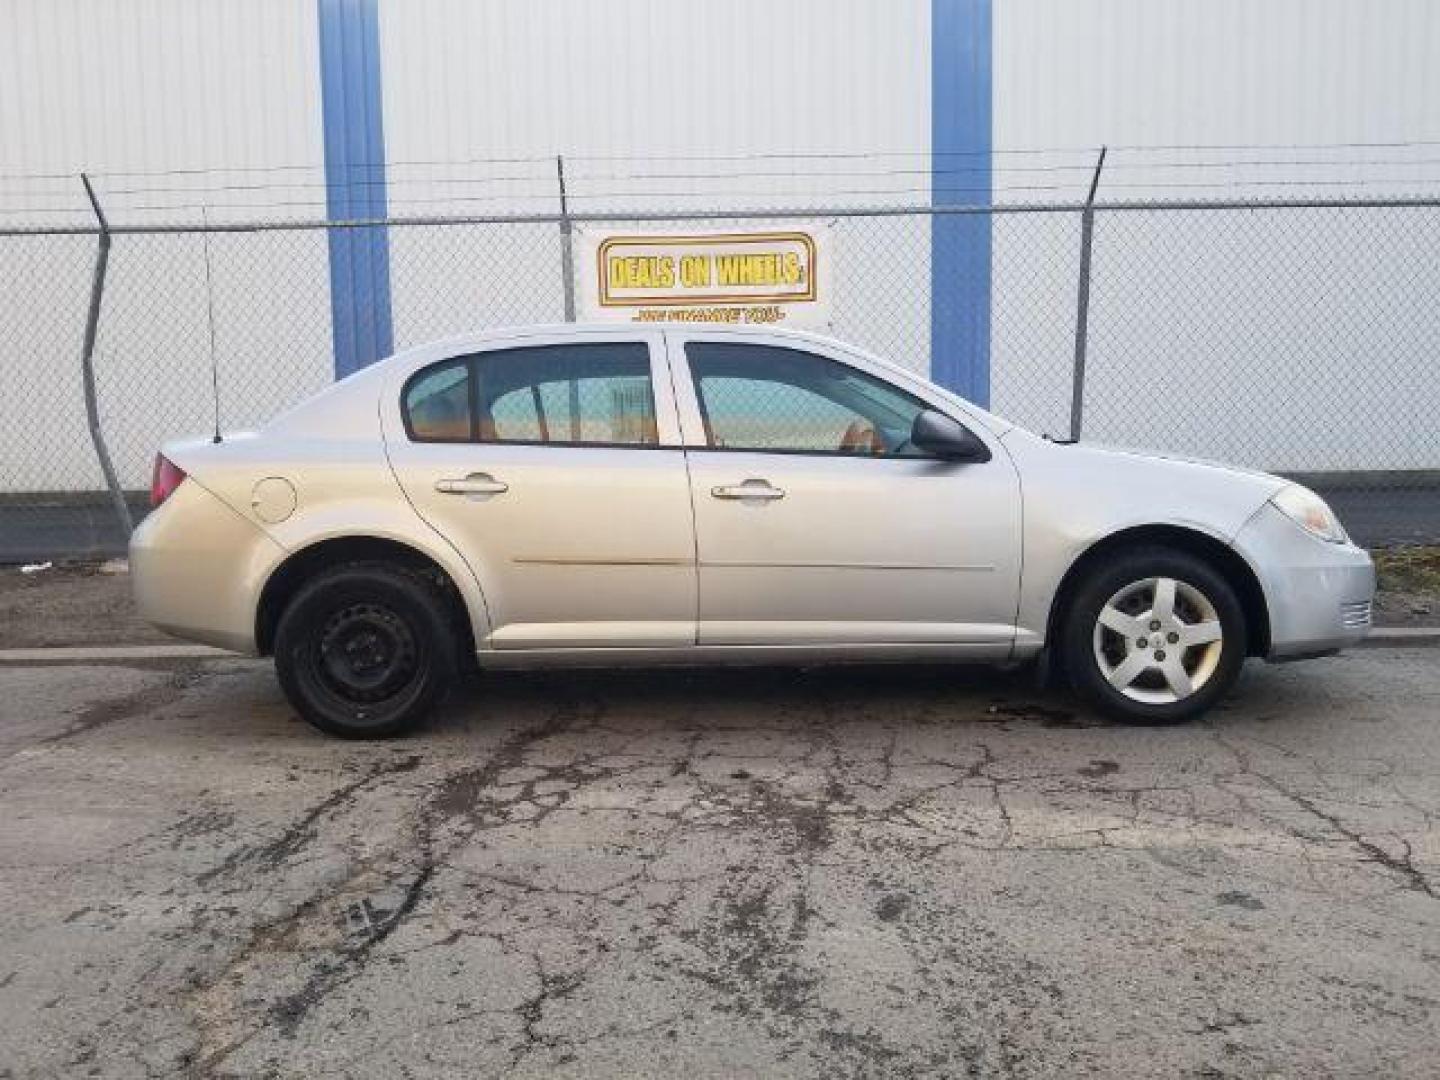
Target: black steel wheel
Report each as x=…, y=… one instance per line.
x=366, y=650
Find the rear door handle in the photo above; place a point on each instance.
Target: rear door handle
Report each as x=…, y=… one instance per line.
x=750, y=489
x=474, y=484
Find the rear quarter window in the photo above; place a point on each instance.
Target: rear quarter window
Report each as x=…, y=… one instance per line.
x=437, y=403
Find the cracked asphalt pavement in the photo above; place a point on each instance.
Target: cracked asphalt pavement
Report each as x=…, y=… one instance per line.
x=899, y=871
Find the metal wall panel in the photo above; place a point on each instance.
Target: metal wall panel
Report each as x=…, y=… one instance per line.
x=1156, y=72
x=636, y=78
x=1233, y=99
x=151, y=85
x=627, y=88
x=206, y=109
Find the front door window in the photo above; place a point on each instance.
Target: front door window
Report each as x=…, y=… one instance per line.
x=765, y=397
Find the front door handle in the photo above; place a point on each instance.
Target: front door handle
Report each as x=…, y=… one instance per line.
x=750, y=489
x=474, y=484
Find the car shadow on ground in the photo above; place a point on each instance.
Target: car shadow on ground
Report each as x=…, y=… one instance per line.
x=746, y=694
x=779, y=696
x=773, y=698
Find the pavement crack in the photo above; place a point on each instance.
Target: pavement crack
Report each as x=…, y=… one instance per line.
x=1401, y=865
x=468, y=794
x=302, y=830
x=328, y=976
x=113, y=710
x=531, y=1011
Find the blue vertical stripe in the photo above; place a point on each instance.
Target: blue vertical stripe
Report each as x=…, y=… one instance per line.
x=961, y=174
x=351, y=111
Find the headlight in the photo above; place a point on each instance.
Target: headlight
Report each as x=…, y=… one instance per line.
x=1308, y=510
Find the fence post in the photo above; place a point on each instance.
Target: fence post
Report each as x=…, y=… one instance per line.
x=1082, y=304
x=87, y=363
x=567, y=266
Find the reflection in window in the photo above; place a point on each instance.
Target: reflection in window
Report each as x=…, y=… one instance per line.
x=593, y=393
x=765, y=397
x=589, y=393
x=437, y=403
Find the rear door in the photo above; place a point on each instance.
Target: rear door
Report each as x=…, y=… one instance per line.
x=553, y=465
x=818, y=523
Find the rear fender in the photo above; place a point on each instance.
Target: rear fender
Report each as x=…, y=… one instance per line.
x=390, y=519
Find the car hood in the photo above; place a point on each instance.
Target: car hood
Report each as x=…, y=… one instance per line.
x=1269, y=479
x=1089, y=489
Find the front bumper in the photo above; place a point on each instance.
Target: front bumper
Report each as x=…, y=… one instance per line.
x=1319, y=594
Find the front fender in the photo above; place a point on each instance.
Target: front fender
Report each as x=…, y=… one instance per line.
x=1076, y=497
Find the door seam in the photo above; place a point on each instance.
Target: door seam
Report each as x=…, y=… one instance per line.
x=689, y=483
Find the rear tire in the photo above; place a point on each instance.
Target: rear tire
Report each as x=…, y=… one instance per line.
x=1154, y=636
x=367, y=649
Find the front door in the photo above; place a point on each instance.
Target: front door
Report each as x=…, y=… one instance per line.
x=816, y=520
x=553, y=467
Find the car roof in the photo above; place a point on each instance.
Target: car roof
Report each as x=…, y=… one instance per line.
x=618, y=329
x=345, y=401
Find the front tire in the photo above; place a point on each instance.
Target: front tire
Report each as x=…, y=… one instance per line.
x=1154, y=636
x=366, y=650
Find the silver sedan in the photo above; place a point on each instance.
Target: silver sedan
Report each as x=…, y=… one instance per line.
x=608, y=495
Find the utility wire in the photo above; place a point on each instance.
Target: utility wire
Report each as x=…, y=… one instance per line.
x=400, y=182
x=799, y=155
x=812, y=198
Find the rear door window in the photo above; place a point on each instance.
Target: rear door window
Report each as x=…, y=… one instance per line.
x=582, y=394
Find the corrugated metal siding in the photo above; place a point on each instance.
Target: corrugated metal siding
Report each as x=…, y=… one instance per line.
x=151, y=85
x=625, y=90
x=1071, y=73
x=653, y=77
x=627, y=87
x=142, y=87
x=1227, y=334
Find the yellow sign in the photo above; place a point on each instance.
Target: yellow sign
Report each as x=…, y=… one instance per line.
x=732, y=277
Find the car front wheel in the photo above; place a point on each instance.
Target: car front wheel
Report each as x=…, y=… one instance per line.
x=366, y=650
x=1154, y=636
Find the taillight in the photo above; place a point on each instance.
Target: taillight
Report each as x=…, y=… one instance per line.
x=164, y=480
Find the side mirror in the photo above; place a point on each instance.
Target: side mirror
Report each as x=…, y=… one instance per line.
x=947, y=439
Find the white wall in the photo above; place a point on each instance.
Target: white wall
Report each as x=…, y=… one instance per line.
x=222, y=91
x=144, y=86
x=641, y=79
x=224, y=95
x=1291, y=340
x=1156, y=72
x=621, y=86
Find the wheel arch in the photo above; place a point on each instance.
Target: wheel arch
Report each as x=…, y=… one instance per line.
x=304, y=563
x=1214, y=551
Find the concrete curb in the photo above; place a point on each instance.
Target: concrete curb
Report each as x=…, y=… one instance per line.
x=1390, y=636
x=87, y=654
x=1379, y=638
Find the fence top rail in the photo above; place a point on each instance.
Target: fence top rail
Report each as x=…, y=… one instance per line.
x=754, y=213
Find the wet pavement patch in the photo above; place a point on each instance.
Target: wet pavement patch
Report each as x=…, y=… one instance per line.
x=891, y=907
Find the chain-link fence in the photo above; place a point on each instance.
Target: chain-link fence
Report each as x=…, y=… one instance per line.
x=1294, y=337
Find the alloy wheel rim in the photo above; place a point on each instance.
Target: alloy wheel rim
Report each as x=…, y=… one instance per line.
x=1158, y=640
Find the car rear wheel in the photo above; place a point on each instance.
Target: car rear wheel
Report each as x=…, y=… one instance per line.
x=1154, y=636
x=366, y=650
